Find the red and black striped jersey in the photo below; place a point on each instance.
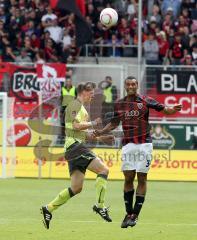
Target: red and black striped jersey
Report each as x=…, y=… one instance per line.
x=133, y=112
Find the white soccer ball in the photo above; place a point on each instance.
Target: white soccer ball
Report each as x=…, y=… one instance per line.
x=109, y=17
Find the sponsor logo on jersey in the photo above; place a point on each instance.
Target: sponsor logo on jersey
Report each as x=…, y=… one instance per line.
x=132, y=113
x=140, y=105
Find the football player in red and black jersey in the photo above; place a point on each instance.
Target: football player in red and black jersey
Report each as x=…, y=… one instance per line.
x=133, y=113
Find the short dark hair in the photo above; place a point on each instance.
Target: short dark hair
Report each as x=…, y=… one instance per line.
x=85, y=86
x=68, y=77
x=130, y=78
x=108, y=77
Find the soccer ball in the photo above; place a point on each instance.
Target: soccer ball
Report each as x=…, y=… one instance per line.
x=109, y=17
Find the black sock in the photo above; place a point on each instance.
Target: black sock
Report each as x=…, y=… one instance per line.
x=71, y=192
x=128, y=199
x=138, y=204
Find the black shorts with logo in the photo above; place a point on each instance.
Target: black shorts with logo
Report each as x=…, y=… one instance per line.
x=78, y=157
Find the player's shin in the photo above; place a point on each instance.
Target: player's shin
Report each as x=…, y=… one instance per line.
x=101, y=185
x=61, y=199
x=128, y=199
x=138, y=204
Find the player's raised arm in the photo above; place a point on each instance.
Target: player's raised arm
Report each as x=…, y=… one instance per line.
x=154, y=104
x=172, y=110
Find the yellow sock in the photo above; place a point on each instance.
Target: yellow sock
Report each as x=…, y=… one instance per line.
x=61, y=199
x=101, y=185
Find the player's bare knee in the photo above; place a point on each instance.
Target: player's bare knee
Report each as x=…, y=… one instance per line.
x=104, y=171
x=128, y=182
x=77, y=190
x=142, y=181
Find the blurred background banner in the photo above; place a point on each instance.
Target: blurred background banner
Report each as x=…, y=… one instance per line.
x=174, y=135
x=165, y=135
x=173, y=84
x=169, y=165
x=50, y=77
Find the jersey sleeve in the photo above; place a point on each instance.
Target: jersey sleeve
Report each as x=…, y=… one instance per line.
x=154, y=104
x=116, y=116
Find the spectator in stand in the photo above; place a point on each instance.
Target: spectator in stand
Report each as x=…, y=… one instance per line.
x=151, y=50
x=8, y=55
x=187, y=60
x=74, y=52
x=153, y=25
x=56, y=32
x=20, y=19
x=50, y=51
x=89, y=22
x=45, y=38
x=91, y=12
x=29, y=28
x=4, y=42
x=131, y=9
x=66, y=41
x=177, y=50
x=194, y=11
x=180, y=23
x=185, y=36
x=194, y=53
x=124, y=28
x=29, y=48
x=115, y=50
x=121, y=6
x=156, y=14
x=99, y=35
x=66, y=44
x=191, y=6
x=194, y=27
x=170, y=12
x=69, y=72
x=163, y=47
x=2, y=29
x=127, y=51
x=171, y=36
x=3, y=17
x=48, y=18
x=35, y=41
x=149, y=7
x=40, y=57
x=167, y=23
x=168, y=5
x=23, y=57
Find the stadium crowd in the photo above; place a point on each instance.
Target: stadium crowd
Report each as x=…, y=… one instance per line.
x=30, y=31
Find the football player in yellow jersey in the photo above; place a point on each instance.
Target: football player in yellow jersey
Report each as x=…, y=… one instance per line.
x=79, y=157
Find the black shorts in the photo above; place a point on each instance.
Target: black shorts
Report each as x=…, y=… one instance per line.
x=78, y=157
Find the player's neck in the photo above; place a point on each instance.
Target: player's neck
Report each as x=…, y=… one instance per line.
x=80, y=99
x=132, y=95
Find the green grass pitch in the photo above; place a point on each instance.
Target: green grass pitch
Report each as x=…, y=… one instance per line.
x=169, y=212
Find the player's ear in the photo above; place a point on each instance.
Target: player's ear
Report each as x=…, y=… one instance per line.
x=137, y=83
